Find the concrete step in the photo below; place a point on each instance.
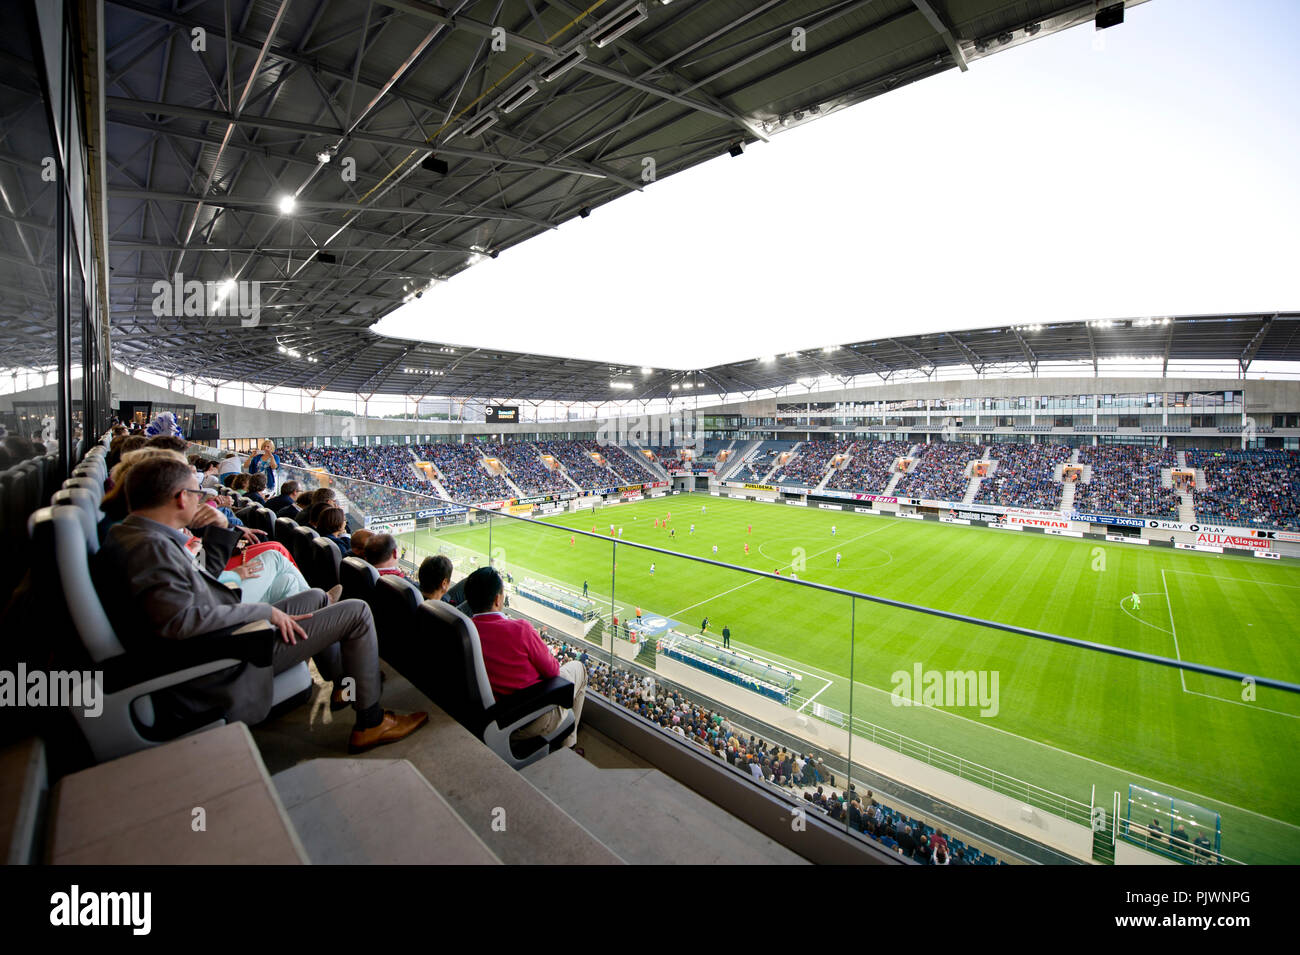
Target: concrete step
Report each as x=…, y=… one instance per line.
x=455, y=763
x=375, y=812
x=646, y=817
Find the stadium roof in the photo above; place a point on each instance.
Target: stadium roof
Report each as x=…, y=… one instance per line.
x=421, y=368
x=415, y=138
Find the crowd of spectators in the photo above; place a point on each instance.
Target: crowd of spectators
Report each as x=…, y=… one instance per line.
x=1249, y=487
x=527, y=469
x=389, y=464
x=811, y=462
x=940, y=474
x=800, y=774
x=1126, y=480
x=576, y=456
x=463, y=473
x=871, y=467
x=1025, y=476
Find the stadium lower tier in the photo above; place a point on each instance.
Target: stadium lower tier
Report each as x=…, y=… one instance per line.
x=1244, y=488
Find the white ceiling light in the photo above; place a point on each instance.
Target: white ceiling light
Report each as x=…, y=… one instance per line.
x=613, y=27
x=479, y=124
x=558, y=68
x=518, y=96
x=287, y=204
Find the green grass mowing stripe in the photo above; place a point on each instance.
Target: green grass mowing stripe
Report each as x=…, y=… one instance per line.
x=1115, y=712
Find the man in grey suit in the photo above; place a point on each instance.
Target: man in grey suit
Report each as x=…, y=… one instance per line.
x=156, y=579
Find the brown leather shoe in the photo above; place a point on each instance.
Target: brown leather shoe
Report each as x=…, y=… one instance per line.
x=393, y=728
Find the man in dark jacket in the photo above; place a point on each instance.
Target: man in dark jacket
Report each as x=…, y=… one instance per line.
x=157, y=582
x=288, y=492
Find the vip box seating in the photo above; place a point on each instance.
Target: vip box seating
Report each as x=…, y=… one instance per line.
x=940, y=475
x=1025, y=476
x=810, y=463
x=871, y=467
x=1126, y=480
x=464, y=475
x=1251, y=487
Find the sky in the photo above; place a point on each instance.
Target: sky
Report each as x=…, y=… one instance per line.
x=1149, y=169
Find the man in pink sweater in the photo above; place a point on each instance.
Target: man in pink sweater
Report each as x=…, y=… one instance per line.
x=516, y=657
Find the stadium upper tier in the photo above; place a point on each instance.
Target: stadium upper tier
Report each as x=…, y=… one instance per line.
x=1243, y=488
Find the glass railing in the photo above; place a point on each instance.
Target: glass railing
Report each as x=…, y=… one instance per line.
x=1002, y=689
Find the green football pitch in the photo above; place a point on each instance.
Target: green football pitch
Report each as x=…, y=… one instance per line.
x=1064, y=719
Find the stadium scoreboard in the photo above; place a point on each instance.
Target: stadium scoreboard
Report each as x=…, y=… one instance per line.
x=503, y=414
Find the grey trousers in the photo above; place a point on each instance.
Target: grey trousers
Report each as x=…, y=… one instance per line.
x=340, y=639
x=575, y=673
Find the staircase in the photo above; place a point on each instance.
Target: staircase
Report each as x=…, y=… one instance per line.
x=1181, y=458
x=504, y=475
x=738, y=460
x=1186, y=508
x=1166, y=477
x=971, y=490
x=654, y=470
x=767, y=478
x=645, y=656
x=438, y=487
x=565, y=474
x=1103, y=849
x=893, y=483
x=1067, y=497
x=1074, y=456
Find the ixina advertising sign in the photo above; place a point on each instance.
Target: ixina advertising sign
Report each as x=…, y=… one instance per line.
x=759, y=487
x=1232, y=540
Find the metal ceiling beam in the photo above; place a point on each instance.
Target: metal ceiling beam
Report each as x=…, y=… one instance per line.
x=1252, y=349
x=945, y=32
x=973, y=359
x=1029, y=352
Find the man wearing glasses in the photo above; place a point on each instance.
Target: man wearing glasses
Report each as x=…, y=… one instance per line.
x=154, y=580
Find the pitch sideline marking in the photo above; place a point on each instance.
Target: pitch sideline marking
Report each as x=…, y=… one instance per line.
x=1173, y=629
